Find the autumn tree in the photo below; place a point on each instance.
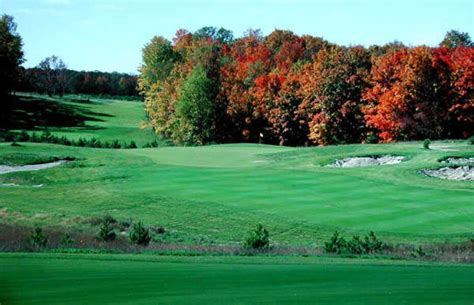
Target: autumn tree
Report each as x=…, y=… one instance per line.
x=410, y=95
x=461, y=109
x=207, y=86
x=158, y=61
x=332, y=88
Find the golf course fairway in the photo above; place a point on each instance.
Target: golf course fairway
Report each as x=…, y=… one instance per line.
x=140, y=279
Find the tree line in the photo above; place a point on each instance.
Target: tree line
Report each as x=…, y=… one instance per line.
x=52, y=77
x=286, y=89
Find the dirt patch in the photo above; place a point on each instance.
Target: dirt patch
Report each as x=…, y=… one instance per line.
x=462, y=173
x=367, y=161
x=5, y=169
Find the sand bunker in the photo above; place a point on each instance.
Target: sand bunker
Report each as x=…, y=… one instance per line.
x=464, y=173
x=458, y=160
x=367, y=161
x=5, y=169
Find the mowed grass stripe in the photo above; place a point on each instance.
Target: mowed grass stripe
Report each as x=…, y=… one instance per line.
x=56, y=279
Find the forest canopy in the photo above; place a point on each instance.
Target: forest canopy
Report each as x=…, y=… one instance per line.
x=208, y=87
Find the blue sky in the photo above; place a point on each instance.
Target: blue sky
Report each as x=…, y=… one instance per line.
x=108, y=35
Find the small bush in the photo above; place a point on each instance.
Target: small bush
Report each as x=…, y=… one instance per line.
x=426, y=144
x=372, y=139
x=66, y=241
x=34, y=138
x=132, y=145
x=140, y=235
x=337, y=244
x=355, y=245
x=419, y=252
x=23, y=136
x=106, y=232
x=372, y=244
x=258, y=239
x=38, y=239
x=470, y=140
x=159, y=230
x=115, y=144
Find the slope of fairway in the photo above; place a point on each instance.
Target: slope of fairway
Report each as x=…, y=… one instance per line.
x=81, y=279
x=215, y=194
x=104, y=119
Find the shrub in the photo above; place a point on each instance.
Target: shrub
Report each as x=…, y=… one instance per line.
x=66, y=241
x=23, y=136
x=159, y=230
x=470, y=140
x=258, y=238
x=106, y=232
x=81, y=142
x=115, y=144
x=38, y=239
x=372, y=244
x=426, y=144
x=132, y=145
x=355, y=245
x=45, y=136
x=419, y=252
x=140, y=235
x=337, y=244
x=34, y=138
x=372, y=139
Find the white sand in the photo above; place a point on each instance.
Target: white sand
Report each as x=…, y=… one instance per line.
x=367, y=161
x=464, y=173
x=5, y=169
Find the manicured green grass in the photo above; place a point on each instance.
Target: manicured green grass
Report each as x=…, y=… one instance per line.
x=118, y=279
x=216, y=194
x=104, y=119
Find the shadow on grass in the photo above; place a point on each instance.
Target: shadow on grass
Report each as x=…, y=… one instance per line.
x=33, y=113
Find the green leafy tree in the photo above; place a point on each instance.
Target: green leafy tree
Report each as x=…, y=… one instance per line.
x=455, y=39
x=195, y=109
x=11, y=56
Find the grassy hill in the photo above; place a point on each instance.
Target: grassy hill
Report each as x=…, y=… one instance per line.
x=215, y=194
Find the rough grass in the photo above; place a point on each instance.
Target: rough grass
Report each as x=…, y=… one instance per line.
x=116, y=279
